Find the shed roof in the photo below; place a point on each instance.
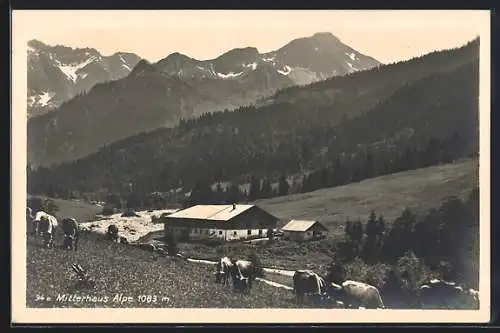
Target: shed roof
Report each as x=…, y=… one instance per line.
x=301, y=225
x=210, y=212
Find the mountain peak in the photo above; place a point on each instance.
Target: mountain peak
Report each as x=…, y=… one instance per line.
x=243, y=51
x=35, y=43
x=143, y=66
x=175, y=57
x=325, y=36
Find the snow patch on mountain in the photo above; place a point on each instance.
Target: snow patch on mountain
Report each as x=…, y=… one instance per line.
x=351, y=67
x=229, y=75
x=71, y=69
x=42, y=99
x=286, y=70
x=124, y=64
x=352, y=56
x=253, y=65
x=45, y=98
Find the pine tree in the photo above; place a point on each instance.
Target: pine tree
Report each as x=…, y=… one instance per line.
x=172, y=247
x=370, y=251
x=254, y=191
x=283, y=186
x=219, y=193
x=400, y=237
x=266, y=190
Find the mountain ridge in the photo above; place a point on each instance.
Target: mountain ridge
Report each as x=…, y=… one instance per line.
x=436, y=100
x=149, y=98
x=58, y=73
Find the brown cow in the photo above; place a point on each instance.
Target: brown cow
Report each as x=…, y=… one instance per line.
x=306, y=282
x=71, y=233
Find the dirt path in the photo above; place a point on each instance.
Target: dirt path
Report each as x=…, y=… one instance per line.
x=269, y=270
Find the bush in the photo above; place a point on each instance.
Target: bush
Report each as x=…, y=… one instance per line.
x=258, y=265
x=358, y=270
x=412, y=272
x=172, y=248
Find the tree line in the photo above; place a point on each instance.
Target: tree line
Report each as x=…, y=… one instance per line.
x=340, y=173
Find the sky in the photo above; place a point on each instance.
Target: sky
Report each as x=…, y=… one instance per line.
x=386, y=35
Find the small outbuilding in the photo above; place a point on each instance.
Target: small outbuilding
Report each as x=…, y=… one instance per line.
x=303, y=230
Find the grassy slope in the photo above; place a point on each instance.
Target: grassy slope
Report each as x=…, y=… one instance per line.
x=388, y=195
x=79, y=210
x=119, y=268
x=124, y=269
x=419, y=189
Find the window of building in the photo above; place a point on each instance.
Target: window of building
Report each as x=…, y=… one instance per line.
x=260, y=232
x=220, y=232
x=249, y=232
x=234, y=233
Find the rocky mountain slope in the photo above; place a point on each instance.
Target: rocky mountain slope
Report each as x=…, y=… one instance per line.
x=58, y=73
x=179, y=87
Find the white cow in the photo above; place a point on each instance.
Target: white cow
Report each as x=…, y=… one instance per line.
x=358, y=294
x=223, y=270
x=45, y=226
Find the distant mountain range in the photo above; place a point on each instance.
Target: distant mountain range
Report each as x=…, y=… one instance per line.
x=177, y=87
x=58, y=73
x=389, y=113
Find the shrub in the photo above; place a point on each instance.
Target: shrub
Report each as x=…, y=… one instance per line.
x=258, y=265
x=172, y=248
x=412, y=272
x=356, y=270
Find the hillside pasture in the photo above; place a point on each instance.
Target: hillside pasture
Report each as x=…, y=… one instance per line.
x=388, y=195
x=130, y=271
x=77, y=209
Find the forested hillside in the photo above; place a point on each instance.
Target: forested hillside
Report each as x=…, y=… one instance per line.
x=407, y=115
x=157, y=95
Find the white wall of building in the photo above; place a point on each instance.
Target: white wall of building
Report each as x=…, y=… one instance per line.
x=222, y=234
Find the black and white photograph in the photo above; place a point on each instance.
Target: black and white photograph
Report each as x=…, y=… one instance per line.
x=269, y=166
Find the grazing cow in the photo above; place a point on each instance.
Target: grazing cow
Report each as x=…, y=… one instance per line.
x=306, y=282
x=223, y=270
x=71, y=233
x=242, y=274
x=112, y=233
x=355, y=294
x=45, y=226
x=445, y=294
